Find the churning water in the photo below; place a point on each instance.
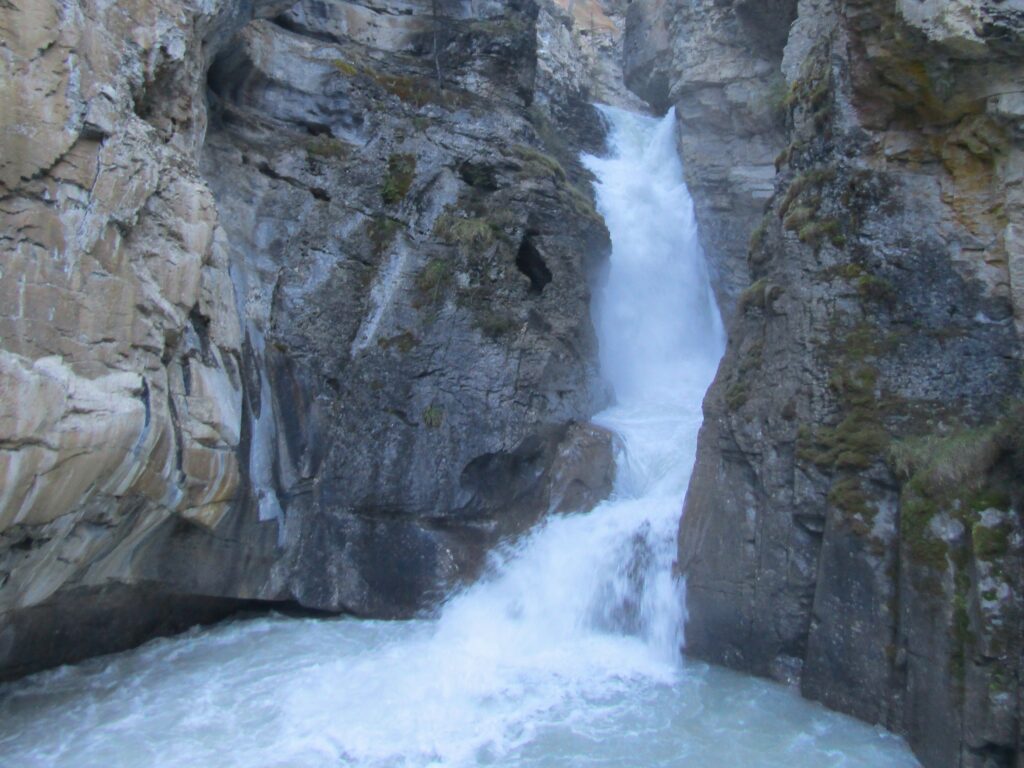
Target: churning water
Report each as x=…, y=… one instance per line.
x=566, y=655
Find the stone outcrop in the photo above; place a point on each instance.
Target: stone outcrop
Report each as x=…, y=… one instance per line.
x=579, y=59
x=853, y=524
x=121, y=388
x=718, y=65
x=295, y=309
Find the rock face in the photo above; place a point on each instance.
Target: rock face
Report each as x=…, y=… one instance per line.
x=717, y=64
x=854, y=521
x=296, y=309
x=579, y=59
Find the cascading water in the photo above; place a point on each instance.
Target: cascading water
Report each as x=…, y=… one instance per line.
x=568, y=654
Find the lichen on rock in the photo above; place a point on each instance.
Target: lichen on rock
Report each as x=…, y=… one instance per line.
x=850, y=483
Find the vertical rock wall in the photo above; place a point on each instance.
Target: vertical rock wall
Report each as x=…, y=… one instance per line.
x=718, y=65
x=295, y=309
x=121, y=390
x=413, y=268
x=853, y=525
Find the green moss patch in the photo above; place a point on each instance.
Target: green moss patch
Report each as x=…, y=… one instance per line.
x=399, y=178
x=991, y=541
x=537, y=164
x=345, y=67
x=816, y=232
x=960, y=473
x=808, y=187
x=382, y=232
x=328, y=147
x=800, y=209
x=875, y=289
x=857, y=442
x=433, y=416
x=848, y=496
x=757, y=236
x=467, y=232
x=409, y=89
x=432, y=280
x=494, y=324
x=758, y=295
x=736, y=395
x=404, y=342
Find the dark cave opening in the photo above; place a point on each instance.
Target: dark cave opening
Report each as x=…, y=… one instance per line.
x=531, y=263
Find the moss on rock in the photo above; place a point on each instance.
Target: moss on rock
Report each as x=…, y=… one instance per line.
x=466, y=232
x=398, y=180
x=432, y=281
x=961, y=473
x=433, y=416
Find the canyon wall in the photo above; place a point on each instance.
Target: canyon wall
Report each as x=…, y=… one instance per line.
x=853, y=524
x=295, y=313
x=295, y=306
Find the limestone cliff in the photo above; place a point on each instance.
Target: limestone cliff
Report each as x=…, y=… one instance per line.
x=295, y=307
x=853, y=524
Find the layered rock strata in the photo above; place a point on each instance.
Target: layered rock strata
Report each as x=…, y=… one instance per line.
x=853, y=525
x=295, y=310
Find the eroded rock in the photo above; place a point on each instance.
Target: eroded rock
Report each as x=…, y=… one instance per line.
x=863, y=435
x=267, y=306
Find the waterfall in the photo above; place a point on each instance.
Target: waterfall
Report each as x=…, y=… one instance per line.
x=566, y=654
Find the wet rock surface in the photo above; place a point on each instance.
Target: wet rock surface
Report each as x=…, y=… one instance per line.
x=414, y=267
x=296, y=310
x=853, y=525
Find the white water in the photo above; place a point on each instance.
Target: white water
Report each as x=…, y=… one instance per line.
x=567, y=655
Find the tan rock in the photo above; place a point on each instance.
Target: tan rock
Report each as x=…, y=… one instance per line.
x=109, y=265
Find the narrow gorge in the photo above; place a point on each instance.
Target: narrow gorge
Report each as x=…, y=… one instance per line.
x=356, y=312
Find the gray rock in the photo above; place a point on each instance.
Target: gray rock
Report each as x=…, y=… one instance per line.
x=319, y=278
x=853, y=523
x=717, y=64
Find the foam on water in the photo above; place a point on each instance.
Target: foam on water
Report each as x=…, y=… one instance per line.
x=567, y=654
